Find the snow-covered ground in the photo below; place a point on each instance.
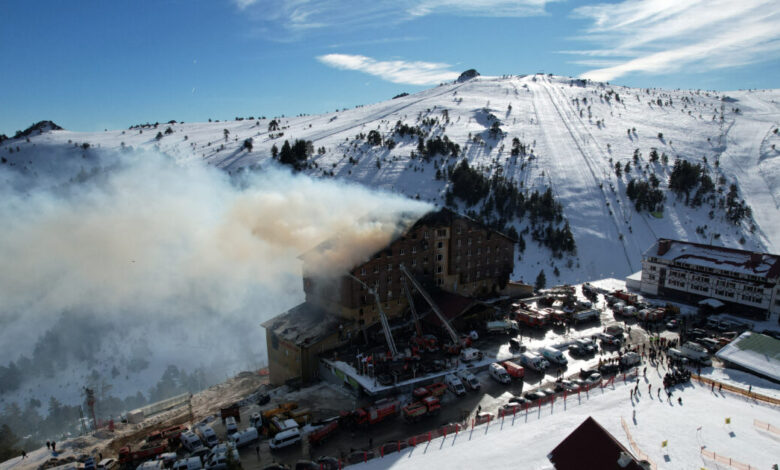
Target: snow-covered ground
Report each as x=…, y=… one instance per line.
x=574, y=133
x=700, y=422
x=742, y=380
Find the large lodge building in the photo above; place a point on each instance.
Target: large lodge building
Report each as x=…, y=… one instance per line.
x=747, y=282
x=442, y=250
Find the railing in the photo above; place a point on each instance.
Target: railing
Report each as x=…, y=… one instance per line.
x=737, y=390
x=764, y=426
x=639, y=454
x=454, y=429
x=726, y=460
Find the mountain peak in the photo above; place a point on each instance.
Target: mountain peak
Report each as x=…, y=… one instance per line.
x=468, y=75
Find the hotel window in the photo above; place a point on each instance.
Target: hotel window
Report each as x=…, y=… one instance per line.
x=389, y=267
x=438, y=269
x=362, y=271
x=414, y=249
x=402, y=251
x=425, y=234
x=439, y=257
x=414, y=261
x=440, y=244
x=376, y=269
x=459, y=242
x=425, y=260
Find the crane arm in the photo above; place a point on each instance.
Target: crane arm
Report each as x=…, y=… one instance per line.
x=411, y=306
x=433, y=305
x=382, y=317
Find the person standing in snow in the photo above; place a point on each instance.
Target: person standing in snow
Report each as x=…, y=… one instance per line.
x=24, y=455
x=48, y=445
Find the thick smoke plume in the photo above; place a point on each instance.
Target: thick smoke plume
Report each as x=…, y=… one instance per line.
x=178, y=260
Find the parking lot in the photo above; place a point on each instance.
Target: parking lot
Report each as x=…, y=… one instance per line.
x=492, y=395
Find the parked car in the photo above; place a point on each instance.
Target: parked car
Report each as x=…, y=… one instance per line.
x=106, y=464
x=517, y=400
x=575, y=350
x=329, y=463
x=697, y=333
x=594, y=378
x=285, y=439
x=609, y=368
x=230, y=425
x=587, y=345
x=469, y=380
x=566, y=385
x=498, y=372
x=535, y=396
x=608, y=339
x=483, y=417
x=191, y=463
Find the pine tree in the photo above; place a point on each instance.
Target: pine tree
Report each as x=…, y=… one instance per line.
x=541, y=281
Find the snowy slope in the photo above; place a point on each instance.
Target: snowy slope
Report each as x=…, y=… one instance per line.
x=572, y=155
x=525, y=442
x=574, y=131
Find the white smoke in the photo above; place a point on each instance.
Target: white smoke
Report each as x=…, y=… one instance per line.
x=174, y=254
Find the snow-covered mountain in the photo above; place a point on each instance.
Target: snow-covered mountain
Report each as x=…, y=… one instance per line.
x=573, y=132
x=520, y=135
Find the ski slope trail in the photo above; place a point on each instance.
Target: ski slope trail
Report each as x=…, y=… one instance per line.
x=577, y=182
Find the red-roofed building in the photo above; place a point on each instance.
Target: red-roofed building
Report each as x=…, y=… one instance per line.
x=590, y=446
x=746, y=281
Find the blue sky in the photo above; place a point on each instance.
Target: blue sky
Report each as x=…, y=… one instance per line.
x=91, y=64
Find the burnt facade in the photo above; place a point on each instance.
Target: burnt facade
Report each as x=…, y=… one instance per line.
x=441, y=249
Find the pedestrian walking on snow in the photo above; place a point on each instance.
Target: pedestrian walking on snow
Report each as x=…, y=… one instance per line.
x=24, y=455
x=720, y=388
x=48, y=445
x=679, y=400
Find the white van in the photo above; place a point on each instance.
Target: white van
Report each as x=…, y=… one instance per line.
x=554, y=355
x=190, y=440
x=106, y=464
x=192, y=463
x=454, y=385
x=533, y=361
x=285, y=438
x=696, y=352
x=498, y=372
x=244, y=437
x=470, y=354
x=230, y=425
x=209, y=436
x=470, y=380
